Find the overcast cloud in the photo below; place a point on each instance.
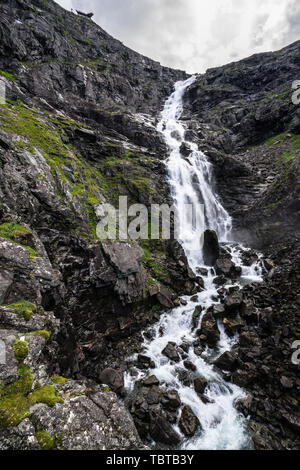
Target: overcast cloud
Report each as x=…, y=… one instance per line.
x=196, y=34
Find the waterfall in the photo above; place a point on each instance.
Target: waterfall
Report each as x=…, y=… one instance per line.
x=191, y=181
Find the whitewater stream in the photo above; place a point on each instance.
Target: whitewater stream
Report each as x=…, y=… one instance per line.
x=191, y=181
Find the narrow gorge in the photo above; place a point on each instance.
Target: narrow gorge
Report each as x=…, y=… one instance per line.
x=147, y=344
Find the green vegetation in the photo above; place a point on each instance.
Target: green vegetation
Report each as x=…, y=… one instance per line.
x=17, y=397
x=13, y=409
x=14, y=232
x=21, y=350
x=45, y=440
x=276, y=139
x=14, y=405
x=47, y=395
x=44, y=131
x=58, y=380
x=24, y=383
x=151, y=260
x=7, y=75
x=43, y=333
x=18, y=234
x=23, y=308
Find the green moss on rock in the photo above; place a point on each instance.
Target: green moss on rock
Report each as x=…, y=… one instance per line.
x=14, y=404
x=18, y=234
x=23, y=308
x=58, y=380
x=13, y=409
x=43, y=333
x=21, y=350
x=47, y=395
x=45, y=440
x=7, y=75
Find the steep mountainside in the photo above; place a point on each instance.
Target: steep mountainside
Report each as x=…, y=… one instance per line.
x=79, y=128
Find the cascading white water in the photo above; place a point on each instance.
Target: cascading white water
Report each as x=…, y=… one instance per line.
x=191, y=181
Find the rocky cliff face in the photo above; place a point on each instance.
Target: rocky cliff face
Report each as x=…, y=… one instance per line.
x=242, y=115
x=79, y=128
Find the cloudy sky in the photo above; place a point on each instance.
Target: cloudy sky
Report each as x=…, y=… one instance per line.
x=196, y=34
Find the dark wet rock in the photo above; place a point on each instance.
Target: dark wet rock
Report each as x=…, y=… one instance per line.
x=210, y=330
x=185, y=376
x=220, y=280
x=185, y=150
x=233, y=302
x=145, y=362
x=150, y=381
x=112, y=377
x=245, y=377
x=202, y=271
x=162, y=431
x=190, y=366
x=225, y=267
x=171, y=400
x=227, y=361
x=269, y=264
x=249, y=258
x=249, y=312
x=244, y=405
x=249, y=339
x=196, y=315
x=218, y=311
x=211, y=249
x=200, y=385
x=188, y=422
x=172, y=417
x=232, y=326
x=171, y=351
x=153, y=396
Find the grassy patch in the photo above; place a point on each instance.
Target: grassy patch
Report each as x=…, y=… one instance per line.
x=43, y=333
x=7, y=75
x=23, y=308
x=18, y=234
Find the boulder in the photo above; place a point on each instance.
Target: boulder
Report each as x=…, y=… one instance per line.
x=188, y=422
x=233, y=302
x=171, y=400
x=171, y=352
x=145, y=362
x=232, y=326
x=150, y=381
x=161, y=430
x=185, y=150
x=210, y=329
x=190, y=366
x=225, y=267
x=211, y=248
x=200, y=385
x=196, y=315
x=114, y=378
x=227, y=361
